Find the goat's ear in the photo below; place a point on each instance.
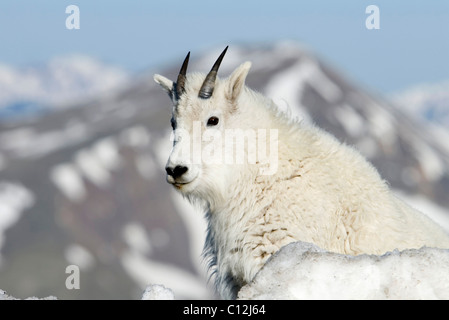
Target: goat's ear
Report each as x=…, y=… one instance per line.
x=237, y=81
x=165, y=83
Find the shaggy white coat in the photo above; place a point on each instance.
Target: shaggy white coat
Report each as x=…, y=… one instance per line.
x=323, y=191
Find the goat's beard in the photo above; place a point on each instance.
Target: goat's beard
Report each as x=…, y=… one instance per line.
x=211, y=187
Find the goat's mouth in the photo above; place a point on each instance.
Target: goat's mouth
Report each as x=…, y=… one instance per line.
x=183, y=186
x=179, y=184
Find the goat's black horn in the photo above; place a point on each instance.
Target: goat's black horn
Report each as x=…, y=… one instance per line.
x=209, y=83
x=181, y=81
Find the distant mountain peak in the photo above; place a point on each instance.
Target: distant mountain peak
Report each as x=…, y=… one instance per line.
x=426, y=102
x=63, y=80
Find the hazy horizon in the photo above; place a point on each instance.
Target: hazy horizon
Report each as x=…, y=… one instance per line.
x=410, y=47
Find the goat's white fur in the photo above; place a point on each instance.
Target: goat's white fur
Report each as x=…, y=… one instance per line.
x=323, y=192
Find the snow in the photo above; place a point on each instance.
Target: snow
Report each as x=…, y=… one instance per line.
x=435, y=212
x=92, y=167
x=430, y=162
x=136, y=136
x=138, y=261
x=5, y=296
x=351, y=121
x=26, y=142
x=194, y=221
x=139, y=138
x=301, y=270
x=14, y=199
x=137, y=238
x=17, y=139
x=286, y=89
x=289, y=86
x=381, y=124
x=78, y=255
x=162, y=147
x=144, y=270
x=63, y=80
x=147, y=166
x=426, y=102
x=106, y=151
x=95, y=163
x=429, y=105
x=196, y=226
x=69, y=181
x=322, y=84
x=158, y=292
x=441, y=136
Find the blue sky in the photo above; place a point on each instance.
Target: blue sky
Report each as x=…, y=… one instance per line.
x=411, y=47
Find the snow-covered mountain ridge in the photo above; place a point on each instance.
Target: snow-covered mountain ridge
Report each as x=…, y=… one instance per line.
x=63, y=81
x=429, y=102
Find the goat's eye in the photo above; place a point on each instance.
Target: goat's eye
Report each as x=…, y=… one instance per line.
x=173, y=123
x=213, y=121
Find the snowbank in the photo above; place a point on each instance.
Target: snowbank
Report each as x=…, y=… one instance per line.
x=5, y=296
x=158, y=292
x=303, y=271
x=152, y=292
x=14, y=200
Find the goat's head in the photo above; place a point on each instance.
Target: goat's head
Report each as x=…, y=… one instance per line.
x=202, y=106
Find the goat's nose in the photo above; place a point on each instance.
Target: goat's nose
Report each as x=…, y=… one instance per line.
x=177, y=171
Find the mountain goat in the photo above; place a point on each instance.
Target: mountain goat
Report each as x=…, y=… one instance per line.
x=310, y=187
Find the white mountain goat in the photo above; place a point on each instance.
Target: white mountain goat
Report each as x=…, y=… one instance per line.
x=265, y=180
